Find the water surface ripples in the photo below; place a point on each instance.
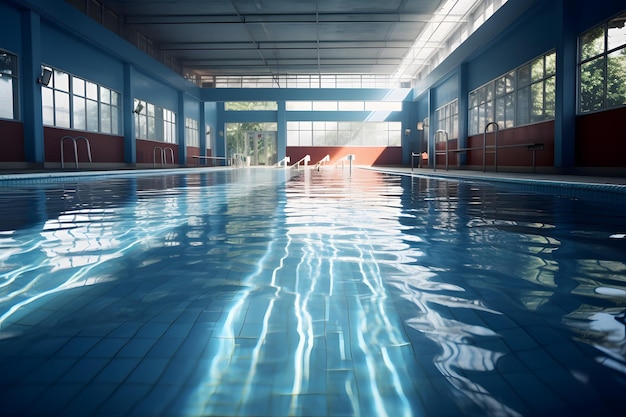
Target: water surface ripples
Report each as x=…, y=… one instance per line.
x=275, y=292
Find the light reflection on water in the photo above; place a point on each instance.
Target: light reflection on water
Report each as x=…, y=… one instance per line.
x=367, y=294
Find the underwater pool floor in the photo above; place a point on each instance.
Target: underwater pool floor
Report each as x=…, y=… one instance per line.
x=318, y=293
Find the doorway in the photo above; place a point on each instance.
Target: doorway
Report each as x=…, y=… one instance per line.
x=256, y=143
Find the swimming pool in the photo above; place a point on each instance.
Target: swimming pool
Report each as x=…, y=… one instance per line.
x=270, y=292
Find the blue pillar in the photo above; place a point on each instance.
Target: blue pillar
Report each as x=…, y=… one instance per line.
x=180, y=130
x=431, y=128
x=281, y=146
x=128, y=117
x=566, y=68
x=410, y=142
x=32, y=105
x=202, y=130
x=220, y=127
x=463, y=108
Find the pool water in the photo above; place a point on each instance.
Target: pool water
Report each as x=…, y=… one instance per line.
x=271, y=292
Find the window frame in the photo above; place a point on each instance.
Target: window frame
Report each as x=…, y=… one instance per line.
x=483, y=100
x=89, y=98
x=13, y=77
x=602, y=57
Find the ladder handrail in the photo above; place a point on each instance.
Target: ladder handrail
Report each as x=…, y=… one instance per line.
x=495, y=145
x=74, y=141
x=163, y=153
x=171, y=154
x=285, y=161
x=322, y=161
x=306, y=159
x=438, y=132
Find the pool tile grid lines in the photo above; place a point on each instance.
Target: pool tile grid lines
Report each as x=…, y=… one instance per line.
x=122, y=365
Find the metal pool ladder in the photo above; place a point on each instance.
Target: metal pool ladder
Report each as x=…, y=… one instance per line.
x=74, y=140
x=163, y=152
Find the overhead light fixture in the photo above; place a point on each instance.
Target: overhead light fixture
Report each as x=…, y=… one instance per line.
x=138, y=108
x=45, y=77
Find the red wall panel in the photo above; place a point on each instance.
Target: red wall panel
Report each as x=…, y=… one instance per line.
x=365, y=155
x=104, y=148
x=12, y=138
x=146, y=153
x=515, y=156
x=600, y=139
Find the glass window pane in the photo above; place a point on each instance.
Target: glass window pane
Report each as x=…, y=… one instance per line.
x=490, y=111
x=616, y=33
x=473, y=121
x=523, y=106
x=509, y=109
x=537, y=70
x=299, y=105
x=105, y=118
x=616, y=78
x=500, y=111
x=6, y=97
x=325, y=105
x=510, y=81
x=351, y=106
x=80, y=121
x=47, y=100
x=550, y=64
x=500, y=86
x=115, y=98
x=92, y=116
x=592, y=85
x=78, y=86
x=592, y=43
x=473, y=99
x=490, y=89
x=115, y=120
x=523, y=76
x=92, y=91
x=151, y=127
x=537, y=102
x=62, y=109
x=105, y=95
x=550, y=98
x=61, y=81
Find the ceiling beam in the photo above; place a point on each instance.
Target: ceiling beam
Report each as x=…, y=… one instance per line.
x=283, y=45
x=148, y=19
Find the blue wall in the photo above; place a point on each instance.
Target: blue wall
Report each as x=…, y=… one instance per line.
x=53, y=32
x=65, y=52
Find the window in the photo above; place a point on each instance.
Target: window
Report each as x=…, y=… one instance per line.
x=448, y=119
x=192, y=134
x=332, y=133
x=302, y=81
x=250, y=105
x=372, y=106
x=154, y=123
x=522, y=96
x=602, y=66
x=8, y=86
x=74, y=103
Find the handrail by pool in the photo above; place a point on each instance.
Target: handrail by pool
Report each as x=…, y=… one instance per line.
x=495, y=145
x=436, y=152
x=74, y=140
x=306, y=159
x=163, y=153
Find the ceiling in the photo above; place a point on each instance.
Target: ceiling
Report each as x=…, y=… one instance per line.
x=278, y=37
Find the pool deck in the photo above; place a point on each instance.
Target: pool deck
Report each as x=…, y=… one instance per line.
x=613, y=185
